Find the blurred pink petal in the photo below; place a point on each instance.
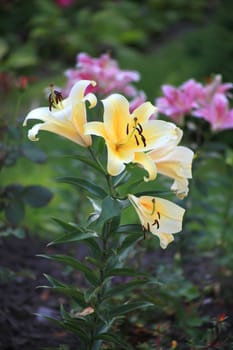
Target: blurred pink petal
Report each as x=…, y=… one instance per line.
x=107, y=74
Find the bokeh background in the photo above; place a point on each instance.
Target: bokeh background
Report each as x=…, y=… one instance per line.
x=167, y=42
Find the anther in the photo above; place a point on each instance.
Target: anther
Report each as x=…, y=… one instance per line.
x=143, y=140
x=156, y=222
x=158, y=213
x=153, y=208
x=144, y=232
x=127, y=129
x=140, y=127
x=148, y=226
x=55, y=97
x=137, y=142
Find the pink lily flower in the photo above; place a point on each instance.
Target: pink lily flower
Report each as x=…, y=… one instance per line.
x=177, y=102
x=106, y=72
x=217, y=113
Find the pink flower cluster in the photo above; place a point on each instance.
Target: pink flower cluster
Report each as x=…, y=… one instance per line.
x=210, y=101
x=105, y=72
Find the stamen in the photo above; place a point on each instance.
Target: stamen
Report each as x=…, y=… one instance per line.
x=144, y=232
x=158, y=213
x=55, y=98
x=143, y=140
x=140, y=127
x=148, y=226
x=156, y=222
x=137, y=142
x=153, y=208
x=127, y=129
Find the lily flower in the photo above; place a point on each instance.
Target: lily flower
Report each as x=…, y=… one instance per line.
x=129, y=134
x=177, y=165
x=64, y=117
x=159, y=216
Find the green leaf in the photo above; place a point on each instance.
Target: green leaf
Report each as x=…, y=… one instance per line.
x=86, y=185
x=111, y=208
x=89, y=162
x=14, y=211
x=73, y=237
x=130, y=228
x=123, y=272
x=63, y=288
x=153, y=193
x=69, y=227
x=113, y=338
x=37, y=196
x=124, y=287
x=76, y=264
x=129, y=307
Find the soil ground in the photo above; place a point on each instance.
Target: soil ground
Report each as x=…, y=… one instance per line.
x=21, y=299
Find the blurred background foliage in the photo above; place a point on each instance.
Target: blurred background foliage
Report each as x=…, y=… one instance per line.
x=168, y=42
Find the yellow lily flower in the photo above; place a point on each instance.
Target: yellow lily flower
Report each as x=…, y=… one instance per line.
x=64, y=117
x=126, y=134
x=159, y=216
x=176, y=164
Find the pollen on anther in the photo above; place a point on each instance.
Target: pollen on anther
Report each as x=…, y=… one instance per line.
x=137, y=142
x=127, y=129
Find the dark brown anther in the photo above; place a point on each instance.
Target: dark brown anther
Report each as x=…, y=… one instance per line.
x=143, y=140
x=51, y=103
x=137, y=142
x=58, y=96
x=156, y=222
x=140, y=127
x=148, y=226
x=144, y=232
x=158, y=213
x=138, y=130
x=54, y=98
x=127, y=129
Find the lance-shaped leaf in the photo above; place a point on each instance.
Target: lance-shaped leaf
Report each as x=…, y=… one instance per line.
x=73, y=237
x=115, y=339
x=86, y=185
x=76, y=264
x=129, y=307
x=65, y=289
x=111, y=208
x=89, y=162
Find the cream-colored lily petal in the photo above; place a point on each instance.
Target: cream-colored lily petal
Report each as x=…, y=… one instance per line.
x=116, y=117
x=115, y=164
x=177, y=163
x=78, y=90
x=91, y=98
x=79, y=119
x=147, y=163
x=41, y=113
x=169, y=209
x=180, y=187
x=32, y=133
x=65, y=130
x=159, y=134
x=165, y=239
x=95, y=128
x=160, y=216
x=144, y=111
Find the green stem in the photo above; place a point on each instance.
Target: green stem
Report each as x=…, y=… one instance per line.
x=94, y=157
x=107, y=176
